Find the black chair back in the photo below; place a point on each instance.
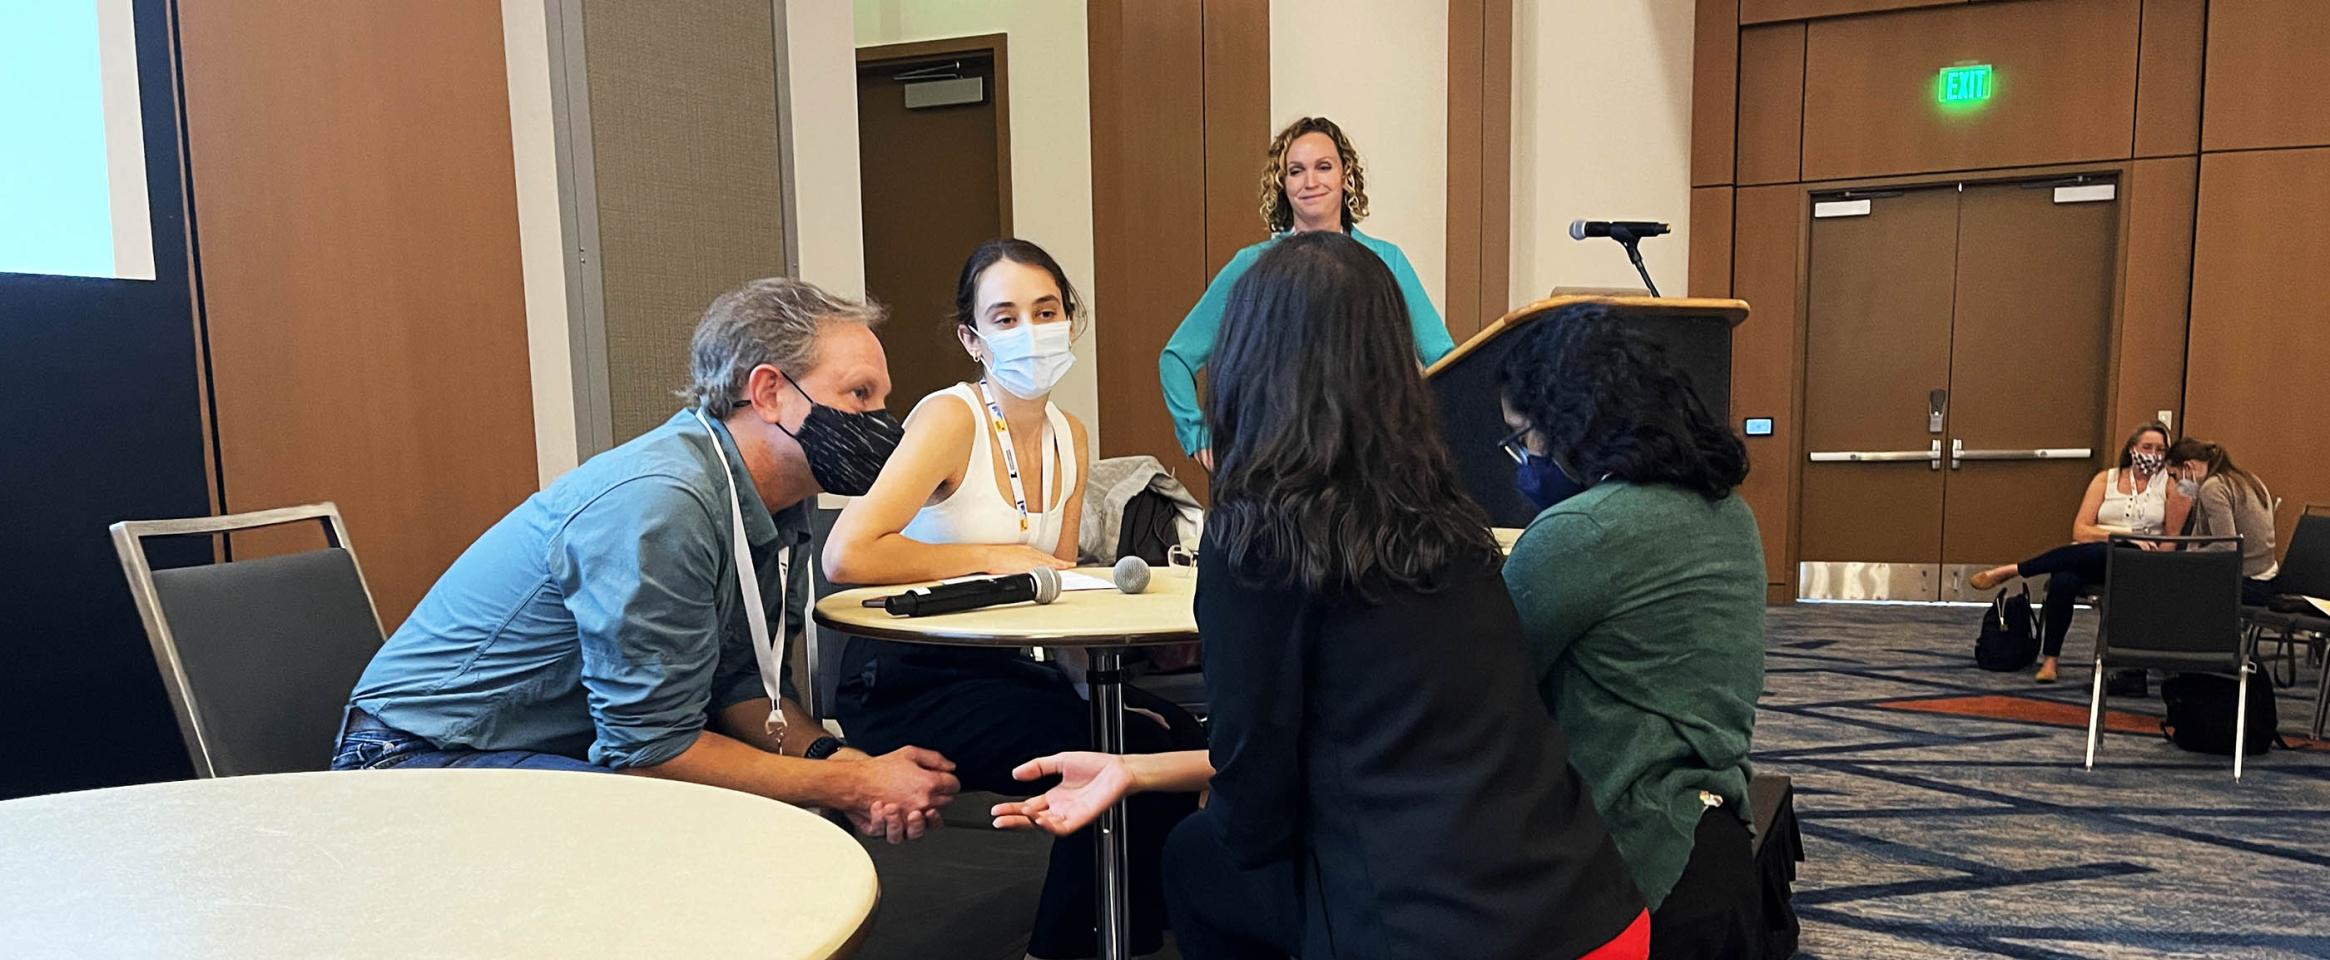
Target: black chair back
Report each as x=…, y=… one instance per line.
x=823, y=647
x=259, y=656
x=2172, y=609
x=2305, y=569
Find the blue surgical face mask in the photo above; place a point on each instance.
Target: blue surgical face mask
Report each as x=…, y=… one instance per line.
x=1538, y=478
x=1544, y=482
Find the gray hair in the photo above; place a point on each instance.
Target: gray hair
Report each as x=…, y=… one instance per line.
x=773, y=321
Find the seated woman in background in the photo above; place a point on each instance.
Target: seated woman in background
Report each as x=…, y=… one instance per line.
x=1642, y=599
x=2134, y=496
x=990, y=479
x=1384, y=781
x=1312, y=182
x=2227, y=502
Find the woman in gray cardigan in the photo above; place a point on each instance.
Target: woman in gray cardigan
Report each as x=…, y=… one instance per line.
x=2229, y=501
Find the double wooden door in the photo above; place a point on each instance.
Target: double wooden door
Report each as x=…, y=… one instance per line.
x=1957, y=343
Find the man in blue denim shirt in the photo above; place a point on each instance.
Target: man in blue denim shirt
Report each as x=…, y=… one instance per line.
x=603, y=624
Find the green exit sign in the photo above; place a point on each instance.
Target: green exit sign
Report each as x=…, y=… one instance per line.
x=1966, y=84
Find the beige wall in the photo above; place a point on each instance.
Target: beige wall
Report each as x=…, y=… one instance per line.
x=1601, y=130
x=1379, y=69
x=541, y=244
x=1051, y=139
x=821, y=66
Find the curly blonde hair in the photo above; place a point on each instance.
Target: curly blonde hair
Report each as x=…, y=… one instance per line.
x=1277, y=211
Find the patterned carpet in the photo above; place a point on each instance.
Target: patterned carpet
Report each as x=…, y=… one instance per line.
x=1945, y=813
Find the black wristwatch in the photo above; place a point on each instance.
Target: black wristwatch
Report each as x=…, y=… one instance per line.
x=824, y=747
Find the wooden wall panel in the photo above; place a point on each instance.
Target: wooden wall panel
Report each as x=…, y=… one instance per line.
x=358, y=236
x=1765, y=11
x=2168, y=77
x=1766, y=358
x=1237, y=127
x=1714, y=91
x=2267, y=74
x=2147, y=370
x=1771, y=103
x=1480, y=163
x=1149, y=173
x=1710, y=264
x=2066, y=88
x=2260, y=277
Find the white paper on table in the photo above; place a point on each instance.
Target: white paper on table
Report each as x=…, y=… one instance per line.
x=2320, y=604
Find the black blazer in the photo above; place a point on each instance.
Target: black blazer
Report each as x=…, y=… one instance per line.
x=1399, y=755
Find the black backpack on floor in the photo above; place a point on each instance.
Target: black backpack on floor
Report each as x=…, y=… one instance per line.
x=2200, y=713
x=2010, y=637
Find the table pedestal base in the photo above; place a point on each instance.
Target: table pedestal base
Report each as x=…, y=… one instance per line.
x=1105, y=678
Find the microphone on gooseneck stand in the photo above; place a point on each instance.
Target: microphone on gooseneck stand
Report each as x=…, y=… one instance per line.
x=1627, y=233
x=1132, y=574
x=1041, y=585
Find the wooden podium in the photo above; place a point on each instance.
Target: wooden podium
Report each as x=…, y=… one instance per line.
x=1696, y=333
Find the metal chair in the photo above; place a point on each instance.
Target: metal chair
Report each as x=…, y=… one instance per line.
x=2305, y=570
x=2176, y=610
x=258, y=655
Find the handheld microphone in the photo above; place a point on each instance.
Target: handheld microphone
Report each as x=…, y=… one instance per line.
x=1621, y=229
x=1041, y=585
x=1132, y=574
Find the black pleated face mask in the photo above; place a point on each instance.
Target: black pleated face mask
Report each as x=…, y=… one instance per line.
x=845, y=450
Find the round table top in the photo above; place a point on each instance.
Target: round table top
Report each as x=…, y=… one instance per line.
x=426, y=863
x=1079, y=618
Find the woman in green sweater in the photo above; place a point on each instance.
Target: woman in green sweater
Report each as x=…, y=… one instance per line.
x=1642, y=600
x=1313, y=181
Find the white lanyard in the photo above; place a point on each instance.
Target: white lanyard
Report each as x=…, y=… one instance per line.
x=1011, y=455
x=756, y=616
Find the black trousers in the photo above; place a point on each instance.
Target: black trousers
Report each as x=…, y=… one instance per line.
x=1716, y=910
x=2071, y=569
x=1221, y=912
x=987, y=726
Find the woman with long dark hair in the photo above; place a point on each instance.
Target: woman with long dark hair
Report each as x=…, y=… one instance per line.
x=1312, y=182
x=1642, y=597
x=2229, y=502
x=1384, y=781
x=990, y=479
x=2134, y=496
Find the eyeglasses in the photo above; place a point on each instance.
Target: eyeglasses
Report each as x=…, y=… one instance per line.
x=1516, y=446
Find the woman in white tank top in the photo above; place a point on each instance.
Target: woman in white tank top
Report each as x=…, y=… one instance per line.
x=990, y=480
x=2135, y=496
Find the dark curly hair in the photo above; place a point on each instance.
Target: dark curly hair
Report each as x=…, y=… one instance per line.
x=1608, y=404
x=1331, y=473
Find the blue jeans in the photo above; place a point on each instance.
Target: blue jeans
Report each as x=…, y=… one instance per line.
x=368, y=744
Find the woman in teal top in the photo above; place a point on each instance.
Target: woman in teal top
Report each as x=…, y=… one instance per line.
x=1642, y=603
x=1312, y=182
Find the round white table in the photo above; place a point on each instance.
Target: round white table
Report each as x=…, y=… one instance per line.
x=426, y=863
x=1104, y=623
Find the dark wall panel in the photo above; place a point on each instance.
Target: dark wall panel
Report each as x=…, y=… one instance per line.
x=1771, y=103
x=1767, y=357
x=2168, y=77
x=2260, y=275
x=2065, y=88
x=2267, y=74
x=100, y=381
x=358, y=222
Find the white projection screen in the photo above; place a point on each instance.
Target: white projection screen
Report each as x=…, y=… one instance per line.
x=72, y=146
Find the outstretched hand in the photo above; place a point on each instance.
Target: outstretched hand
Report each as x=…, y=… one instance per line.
x=1089, y=783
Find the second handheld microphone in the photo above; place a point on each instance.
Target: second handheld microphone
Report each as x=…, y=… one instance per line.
x=1041, y=585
